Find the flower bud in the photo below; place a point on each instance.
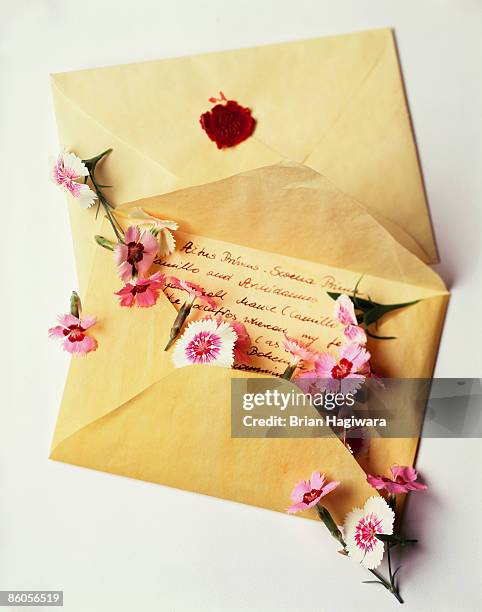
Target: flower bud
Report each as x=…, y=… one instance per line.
x=75, y=305
x=104, y=242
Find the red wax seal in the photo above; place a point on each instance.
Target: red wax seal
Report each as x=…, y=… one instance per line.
x=227, y=123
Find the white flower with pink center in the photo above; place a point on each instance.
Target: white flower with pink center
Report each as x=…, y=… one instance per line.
x=205, y=342
x=67, y=170
x=361, y=528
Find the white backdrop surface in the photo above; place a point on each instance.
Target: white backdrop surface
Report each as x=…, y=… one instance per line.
x=122, y=545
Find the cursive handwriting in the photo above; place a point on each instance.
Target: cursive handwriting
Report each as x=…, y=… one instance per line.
x=191, y=249
x=244, y=301
x=278, y=271
x=229, y=258
x=248, y=283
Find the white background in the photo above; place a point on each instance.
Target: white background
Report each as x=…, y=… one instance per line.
x=122, y=545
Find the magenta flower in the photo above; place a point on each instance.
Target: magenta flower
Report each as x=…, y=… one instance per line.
x=73, y=332
x=344, y=374
x=404, y=480
x=308, y=493
x=194, y=291
x=344, y=313
x=66, y=172
x=143, y=293
x=136, y=256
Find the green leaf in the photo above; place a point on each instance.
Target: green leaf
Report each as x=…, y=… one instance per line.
x=393, y=540
x=379, y=310
x=92, y=162
x=369, y=333
x=369, y=311
x=395, y=572
x=361, y=303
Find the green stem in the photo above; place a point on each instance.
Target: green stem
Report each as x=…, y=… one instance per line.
x=389, y=564
x=327, y=519
x=388, y=585
x=288, y=373
x=91, y=165
x=107, y=206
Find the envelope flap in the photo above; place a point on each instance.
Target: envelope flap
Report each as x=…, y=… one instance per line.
x=292, y=210
x=177, y=433
x=158, y=101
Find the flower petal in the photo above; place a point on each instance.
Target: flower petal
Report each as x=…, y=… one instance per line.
x=166, y=242
x=344, y=311
x=132, y=234
x=68, y=319
x=56, y=332
x=86, y=197
x=324, y=365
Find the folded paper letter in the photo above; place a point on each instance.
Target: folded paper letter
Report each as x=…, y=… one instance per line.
x=128, y=411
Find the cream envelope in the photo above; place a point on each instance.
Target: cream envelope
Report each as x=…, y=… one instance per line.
x=126, y=410
x=335, y=104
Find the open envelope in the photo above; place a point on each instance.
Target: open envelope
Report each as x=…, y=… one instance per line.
x=126, y=410
x=336, y=104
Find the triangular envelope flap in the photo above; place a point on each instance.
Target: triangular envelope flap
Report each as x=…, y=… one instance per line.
x=292, y=210
x=177, y=433
x=158, y=120
x=157, y=101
